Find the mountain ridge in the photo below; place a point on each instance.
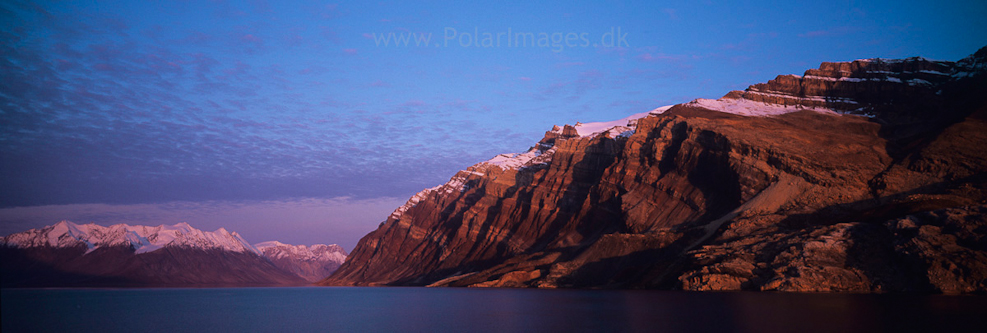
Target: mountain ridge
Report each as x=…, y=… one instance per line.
x=823, y=166
x=312, y=263
x=70, y=254
x=141, y=238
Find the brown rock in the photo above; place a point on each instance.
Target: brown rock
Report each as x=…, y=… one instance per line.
x=704, y=200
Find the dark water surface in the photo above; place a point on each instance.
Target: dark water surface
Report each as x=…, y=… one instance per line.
x=478, y=310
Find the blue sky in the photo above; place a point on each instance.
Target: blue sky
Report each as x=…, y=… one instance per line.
x=118, y=106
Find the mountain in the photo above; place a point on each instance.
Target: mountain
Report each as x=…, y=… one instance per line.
x=73, y=255
x=312, y=263
x=142, y=239
x=861, y=176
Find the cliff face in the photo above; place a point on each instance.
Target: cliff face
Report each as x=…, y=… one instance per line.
x=859, y=176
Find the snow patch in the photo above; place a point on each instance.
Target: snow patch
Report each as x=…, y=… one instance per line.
x=897, y=61
x=806, y=98
x=857, y=79
x=845, y=79
x=414, y=200
x=915, y=82
x=746, y=107
x=514, y=161
x=933, y=72
x=622, y=125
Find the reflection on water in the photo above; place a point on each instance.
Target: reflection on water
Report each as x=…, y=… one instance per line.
x=471, y=310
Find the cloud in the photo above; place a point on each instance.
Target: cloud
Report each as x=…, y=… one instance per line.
x=329, y=11
x=250, y=38
x=331, y=35
x=831, y=32
x=414, y=103
x=619, y=51
x=197, y=38
x=672, y=13
x=655, y=57
x=638, y=76
x=247, y=39
x=769, y=34
x=591, y=74
x=124, y=116
x=553, y=89
x=193, y=115
x=569, y=64
x=815, y=33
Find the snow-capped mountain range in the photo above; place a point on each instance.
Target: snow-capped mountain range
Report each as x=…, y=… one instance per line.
x=141, y=238
x=317, y=252
x=312, y=263
x=164, y=255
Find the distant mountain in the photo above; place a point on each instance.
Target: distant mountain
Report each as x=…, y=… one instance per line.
x=68, y=254
x=862, y=176
x=312, y=263
x=142, y=239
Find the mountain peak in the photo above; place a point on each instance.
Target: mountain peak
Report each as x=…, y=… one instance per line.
x=276, y=249
x=270, y=244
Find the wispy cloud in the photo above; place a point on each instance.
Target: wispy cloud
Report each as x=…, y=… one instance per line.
x=125, y=120
x=569, y=64
x=671, y=13
x=655, y=57
x=830, y=32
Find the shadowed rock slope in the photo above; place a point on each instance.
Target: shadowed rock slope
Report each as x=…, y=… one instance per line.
x=863, y=176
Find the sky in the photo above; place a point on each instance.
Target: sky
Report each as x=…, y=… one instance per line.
x=310, y=121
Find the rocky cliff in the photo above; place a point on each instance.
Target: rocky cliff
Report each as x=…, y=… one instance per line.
x=863, y=176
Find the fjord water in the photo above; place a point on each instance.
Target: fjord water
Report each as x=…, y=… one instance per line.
x=472, y=310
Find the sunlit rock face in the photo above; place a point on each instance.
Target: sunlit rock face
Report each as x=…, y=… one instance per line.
x=863, y=176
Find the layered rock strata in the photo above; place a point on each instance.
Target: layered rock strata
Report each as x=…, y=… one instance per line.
x=863, y=176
